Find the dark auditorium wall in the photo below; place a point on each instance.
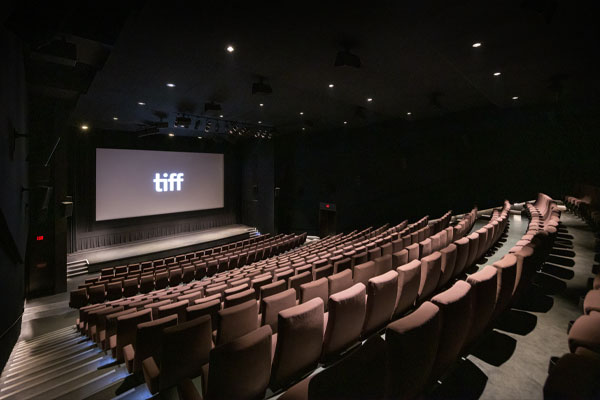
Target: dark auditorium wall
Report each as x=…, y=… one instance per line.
x=258, y=197
x=85, y=233
x=13, y=202
x=406, y=169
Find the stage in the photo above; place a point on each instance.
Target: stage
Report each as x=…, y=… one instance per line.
x=159, y=248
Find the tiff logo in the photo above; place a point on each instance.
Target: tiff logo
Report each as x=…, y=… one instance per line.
x=167, y=183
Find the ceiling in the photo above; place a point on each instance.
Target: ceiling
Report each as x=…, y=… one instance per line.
x=417, y=58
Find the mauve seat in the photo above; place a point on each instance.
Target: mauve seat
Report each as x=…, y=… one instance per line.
x=342, y=265
x=211, y=307
x=297, y=280
x=409, y=280
x=236, y=321
x=462, y=256
x=146, y=283
x=273, y=288
x=97, y=294
x=431, y=268
x=413, y=252
x=525, y=270
x=456, y=310
x=241, y=368
x=272, y=305
x=412, y=346
x=177, y=308
x=192, y=296
x=585, y=333
x=185, y=350
x=258, y=282
x=147, y=343
x=364, y=272
x=315, y=289
x=484, y=284
x=153, y=306
x=360, y=258
x=323, y=272
x=425, y=248
x=507, y=272
x=381, y=302
x=126, y=330
x=239, y=298
x=299, y=342
x=78, y=298
x=340, y=281
x=400, y=258
x=383, y=264
x=345, y=320
x=575, y=376
x=473, y=249
x=591, y=302
x=448, y=263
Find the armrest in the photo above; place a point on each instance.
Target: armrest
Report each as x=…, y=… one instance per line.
x=151, y=374
x=129, y=355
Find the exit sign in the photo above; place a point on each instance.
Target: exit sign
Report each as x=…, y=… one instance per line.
x=39, y=238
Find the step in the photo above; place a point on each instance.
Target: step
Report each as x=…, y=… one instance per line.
x=49, y=358
x=41, y=350
x=71, y=275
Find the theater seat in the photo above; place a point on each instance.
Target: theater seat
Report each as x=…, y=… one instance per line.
x=412, y=346
x=241, y=368
x=447, y=264
x=315, y=289
x=431, y=268
x=364, y=272
x=340, y=281
x=409, y=278
x=381, y=302
x=507, y=273
x=236, y=321
x=185, y=350
x=210, y=308
x=272, y=305
x=345, y=320
x=585, y=333
x=126, y=331
x=483, y=290
x=299, y=342
x=147, y=343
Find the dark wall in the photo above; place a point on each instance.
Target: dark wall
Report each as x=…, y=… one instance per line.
x=408, y=169
x=85, y=233
x=258, y=198
x=13, y=202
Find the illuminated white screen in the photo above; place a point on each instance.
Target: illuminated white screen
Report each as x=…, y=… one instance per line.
x=135, y=183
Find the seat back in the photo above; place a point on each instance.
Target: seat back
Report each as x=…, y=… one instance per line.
x=340, y=281
x=270, y=307
x=148, y=342
x=295, y=281
x=315, y=289
x=462, y=256
x=364, y=272
x=456, y=308
x=239, y=298
x=206, y=308
x=381, y=302
x=409, y=279
x=345, y=321
x=484, y=284
x=431, y=268
x=412, y=346
x=177, y=308
x=273, y=288
x=413, y=252
x=240, y=369
x=507, y=274
x=126, y=329
x=383, y=264
x=236, y=321
x=448, y=262
x=299, y=342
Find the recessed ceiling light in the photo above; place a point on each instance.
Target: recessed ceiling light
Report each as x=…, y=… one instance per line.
x=515, y=98
x=477, y=44
x=171, y=134
x=170, y=84
x=369, y=99
x=141, y=103
x=409, y=113
x=261, y=104
x=230, y=48
x=199, y=137
x=260, y=122
x=301, y=112
x=116, y=118
x=303, y=128
x=497, y=74
x=84, y=127
x=221, y=116
x=345, y=122
x=331, y=85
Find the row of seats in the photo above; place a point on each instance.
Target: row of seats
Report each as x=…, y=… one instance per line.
x=422, y=345
x=373, y=306
x=134, y=280
x=577, y=373
x=587, y=205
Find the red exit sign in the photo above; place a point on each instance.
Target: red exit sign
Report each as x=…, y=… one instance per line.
x=39, y=238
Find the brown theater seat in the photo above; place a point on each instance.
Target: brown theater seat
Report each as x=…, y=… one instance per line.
x=315, y=289
x=381, y=302
x=206, y=308
x=271, y=306
x=148, y=342
x=236, y=321
x=364, y=272
x=448, y=262
x=126, y=331
x=177, y=308
x=431, y=268
x=484, y=284
x=239, y=297
x=340, y=281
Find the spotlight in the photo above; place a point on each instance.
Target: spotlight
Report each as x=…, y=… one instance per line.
x=344, y=57
x=199, y=137
x=303, y=128
x=84, y=127
x=221, y=116
x=409, y=113
x=116, y=118
x=171, y=134
x=497, y=74
x=171, y=85
x=261, y=87
x=260, y=122
x=515, y=98
x=331, y=85
x=230, y=49
x=261, y=105
x=477, y=44
x=141, y=103
x=345, y=122
x=301, y=112
x=369, y=99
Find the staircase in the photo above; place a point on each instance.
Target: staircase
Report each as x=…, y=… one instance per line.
x=75, y=268
x=60, y=364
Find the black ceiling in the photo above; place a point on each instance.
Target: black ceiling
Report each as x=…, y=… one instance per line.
x=416, y=57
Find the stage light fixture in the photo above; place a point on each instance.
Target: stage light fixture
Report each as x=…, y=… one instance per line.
x=331, y=85
x=116, y=118
x=171, y=134
x=345, y=122
x=497, y=74
x=260, y=122
x=221, y=116
x=344, y=57
x=261, y=105
x=369, y=99
x=515, y=98
x=199, y=137
x=409, y=113
x=301, y=112
x=477, y=44
x=171, y=85
x=84, y=127
x=230, y=49
x=141, y=103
